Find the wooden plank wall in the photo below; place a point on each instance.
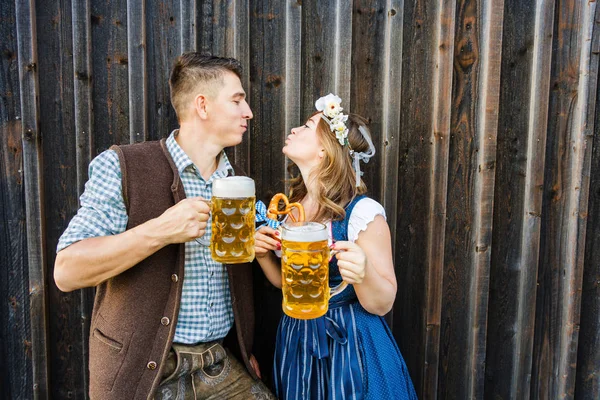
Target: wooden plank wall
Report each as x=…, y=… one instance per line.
x=15, y=327
x=485, y=118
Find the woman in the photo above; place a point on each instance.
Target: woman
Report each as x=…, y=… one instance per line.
x=350, y=352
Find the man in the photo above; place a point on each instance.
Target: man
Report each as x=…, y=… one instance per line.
x=163, y=307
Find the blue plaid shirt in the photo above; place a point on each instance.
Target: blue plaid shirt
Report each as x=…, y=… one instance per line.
x=205, y=313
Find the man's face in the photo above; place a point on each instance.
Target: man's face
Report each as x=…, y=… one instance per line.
x=228, y=112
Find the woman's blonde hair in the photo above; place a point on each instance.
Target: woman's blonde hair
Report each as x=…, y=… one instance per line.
x=335, y=175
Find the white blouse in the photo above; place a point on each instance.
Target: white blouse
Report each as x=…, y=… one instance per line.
x=364, y=212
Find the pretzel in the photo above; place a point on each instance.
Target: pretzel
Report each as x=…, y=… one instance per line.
x=273, y=210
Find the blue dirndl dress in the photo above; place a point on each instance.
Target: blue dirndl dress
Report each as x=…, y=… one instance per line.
x=348, y=353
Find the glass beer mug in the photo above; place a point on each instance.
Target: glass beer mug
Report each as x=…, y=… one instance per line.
x=232, y=226
x=305, y=270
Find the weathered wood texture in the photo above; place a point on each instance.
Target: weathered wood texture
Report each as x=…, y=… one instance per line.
x=33, y=179
x=523, y=113
x=485, y=117
x=274, y=94
x=15, y=327
x=58, y=120
x=471, y=171
x=588, y=354
x=565, y=198
x=109, y=76
x=224, y=30
x=420, y=193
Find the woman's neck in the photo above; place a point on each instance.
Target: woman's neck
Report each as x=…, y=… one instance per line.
x=311, y=200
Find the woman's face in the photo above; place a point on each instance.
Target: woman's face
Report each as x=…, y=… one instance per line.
x=303, y=145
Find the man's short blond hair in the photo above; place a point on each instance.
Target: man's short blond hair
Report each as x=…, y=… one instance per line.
x=195, y=73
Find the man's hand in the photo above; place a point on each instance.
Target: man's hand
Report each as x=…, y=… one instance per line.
x=183, y=222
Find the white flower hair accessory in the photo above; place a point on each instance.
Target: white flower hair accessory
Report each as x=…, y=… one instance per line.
x=332, y=114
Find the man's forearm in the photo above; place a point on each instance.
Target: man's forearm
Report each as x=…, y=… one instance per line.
x=91, y=261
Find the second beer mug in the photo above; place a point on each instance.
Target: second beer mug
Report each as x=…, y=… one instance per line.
x=232, y=227
x=305, y=270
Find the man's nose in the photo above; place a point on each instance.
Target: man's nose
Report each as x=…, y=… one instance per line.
x=248, y=112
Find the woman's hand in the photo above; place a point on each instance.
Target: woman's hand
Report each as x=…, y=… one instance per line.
x=267, y=239
x=264, y=241
x=351, y=261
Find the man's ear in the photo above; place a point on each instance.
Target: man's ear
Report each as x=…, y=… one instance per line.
x=200, y=105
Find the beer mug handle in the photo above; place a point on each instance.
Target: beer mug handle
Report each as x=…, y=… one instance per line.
x=338, y=289
x=203, y=240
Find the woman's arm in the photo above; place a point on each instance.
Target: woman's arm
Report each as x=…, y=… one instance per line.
x=264, y=247
x=368, y=265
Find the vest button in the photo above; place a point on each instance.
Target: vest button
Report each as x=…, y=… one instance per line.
x=165, y=321
x=174, y=278
x=152, y=365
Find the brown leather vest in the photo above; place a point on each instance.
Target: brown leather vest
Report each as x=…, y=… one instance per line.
x=135, y=313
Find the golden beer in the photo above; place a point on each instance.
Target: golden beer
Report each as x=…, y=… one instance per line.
x=305, y=270
x=233, y=216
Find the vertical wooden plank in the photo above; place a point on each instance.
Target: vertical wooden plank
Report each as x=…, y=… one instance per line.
x=224, y=30
x=470, y=197
x=422, y=148
x=275, y=99
x=82, y=47
x=587, y=385
x=293, y=79
x=15, y=342
x=588, y=358
x=109, y=60
x=55, y=50
x=388, y=144
x=326, y=52
x=34, y=189
x=218, y=26
x=414, y=155
x=377, y=59
x=163, y=44
x=526, y=49
x=138, y=78
x=439, y=139
x=207, y=43
x=275, y=82
x=564, y=215
x=241, y=45
x=188, y=15
x=82, y=86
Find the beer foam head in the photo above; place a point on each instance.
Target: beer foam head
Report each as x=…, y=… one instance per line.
x=304, y=232
x=233, y=187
